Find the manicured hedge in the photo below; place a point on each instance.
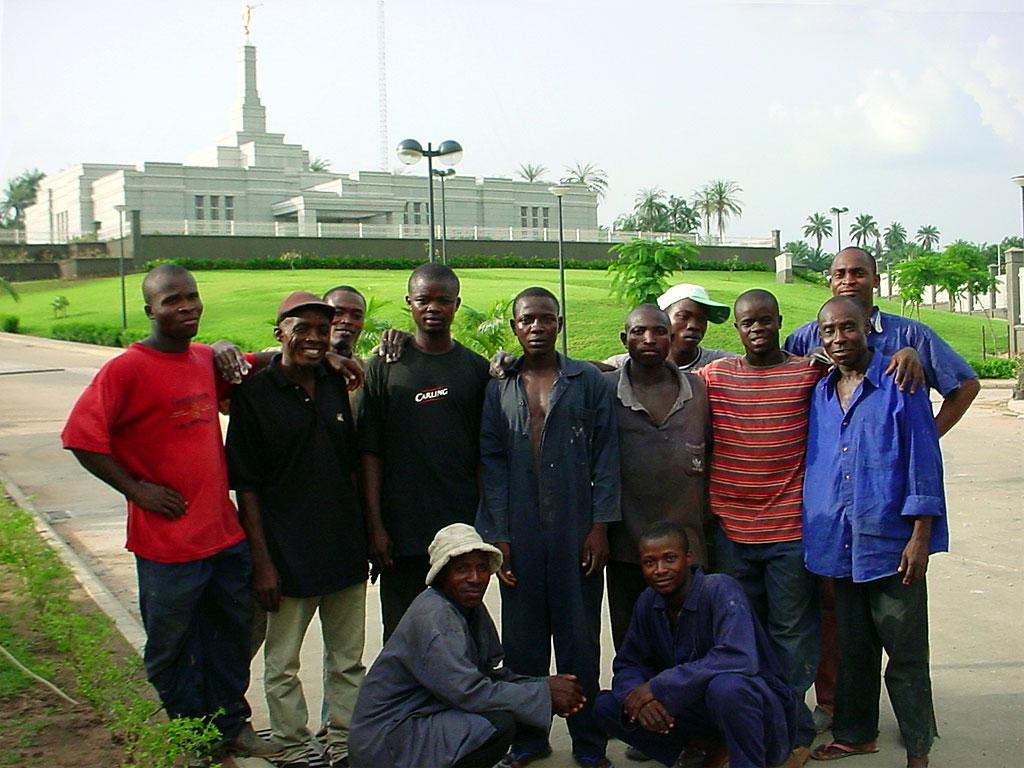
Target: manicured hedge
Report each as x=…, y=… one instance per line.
x=995, y=368
x=9, y=323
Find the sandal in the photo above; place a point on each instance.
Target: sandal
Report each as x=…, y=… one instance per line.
x=835, y=750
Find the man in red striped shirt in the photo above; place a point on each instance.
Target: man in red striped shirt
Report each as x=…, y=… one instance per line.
x=759, y=410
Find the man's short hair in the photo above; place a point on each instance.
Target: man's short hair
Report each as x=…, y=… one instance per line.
x=847, y=301
x=755, y=294
x=663, y=529
x=156, y=273
x=344, y=289
x=866, y=253
x=433, y=272
x=534, y=292
x=649, y=307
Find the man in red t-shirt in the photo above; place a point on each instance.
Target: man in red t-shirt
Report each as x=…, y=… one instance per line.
x=147, y=425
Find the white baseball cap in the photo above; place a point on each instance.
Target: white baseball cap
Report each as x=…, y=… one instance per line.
x=717, y=312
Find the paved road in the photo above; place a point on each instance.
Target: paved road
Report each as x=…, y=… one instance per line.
x=977, y=612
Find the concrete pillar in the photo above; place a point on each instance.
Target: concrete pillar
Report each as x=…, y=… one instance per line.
x=784, y=268
x=777, y=239
x=1014, y=260
x=307, y=223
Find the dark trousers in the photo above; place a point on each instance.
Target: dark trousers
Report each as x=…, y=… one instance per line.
x=490, y=752
x=399, y=586
x=625, y=583
x=828, y=665
x=784, y=595
x=732, y=709
x=198, y=619
x=871, y=616
x=554, y=601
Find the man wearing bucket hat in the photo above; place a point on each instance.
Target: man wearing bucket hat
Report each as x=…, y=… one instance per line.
x=435, y=696
x=690, y=309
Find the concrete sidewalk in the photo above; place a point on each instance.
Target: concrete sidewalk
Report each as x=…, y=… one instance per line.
x=977, y=614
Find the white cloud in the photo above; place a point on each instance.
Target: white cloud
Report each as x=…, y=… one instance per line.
x=996, y=83
x=904, y=115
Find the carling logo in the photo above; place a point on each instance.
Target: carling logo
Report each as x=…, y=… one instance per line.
x=428, y=395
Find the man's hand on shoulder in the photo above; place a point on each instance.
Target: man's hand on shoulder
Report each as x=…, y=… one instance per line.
x=566, y=695
x=347, y=367
x=230, y=362
x=158, y=499
x=500, y=364
x=905, y=366
x=392, y=343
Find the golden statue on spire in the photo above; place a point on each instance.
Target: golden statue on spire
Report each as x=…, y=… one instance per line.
x=247, y=19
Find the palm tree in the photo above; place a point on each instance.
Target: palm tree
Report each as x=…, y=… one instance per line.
x=819, y=226
x=863, y=229
x=681, y=217
x=702, y=203
x=649, y=209
x=723, y=202
x=19, y=195
x=320, y=165
x=589, y=174
x=894, y=236
x=530, y=172
x=927, y=236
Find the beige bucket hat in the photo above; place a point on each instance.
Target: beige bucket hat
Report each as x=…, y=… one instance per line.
x=454, y=540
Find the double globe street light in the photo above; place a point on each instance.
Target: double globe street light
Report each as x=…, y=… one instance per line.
x=838, y=212
x=448, y=153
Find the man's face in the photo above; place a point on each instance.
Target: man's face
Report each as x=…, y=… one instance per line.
x=349, y=316
x=433, y=304
x=853, y=275
x=665, y=564
x=647, y=338
x=758, y=323
x=536, y=324
x=843, y=332
x=304, y=337
x=466, y=578
x=689, y=324
x=174, y=306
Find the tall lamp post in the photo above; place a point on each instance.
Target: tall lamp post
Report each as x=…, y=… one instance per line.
x=1019, y=181
x=442, y=175
x=124, y=299
x=411, y=152
x=560, y=191
x=838, y=212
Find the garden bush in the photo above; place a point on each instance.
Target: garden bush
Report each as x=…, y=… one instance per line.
x=96, y=333
x=995, y=368
x=9, y=323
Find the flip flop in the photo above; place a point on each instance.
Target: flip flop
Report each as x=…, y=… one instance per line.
x=835, y=750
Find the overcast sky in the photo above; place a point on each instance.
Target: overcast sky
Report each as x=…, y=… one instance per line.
x=910, y=110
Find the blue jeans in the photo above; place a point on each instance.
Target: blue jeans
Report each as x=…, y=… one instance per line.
x=784, y=595
x=198, y=618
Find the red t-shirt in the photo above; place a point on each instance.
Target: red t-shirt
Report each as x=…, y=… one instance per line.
x=156, y=414
x=759, y=426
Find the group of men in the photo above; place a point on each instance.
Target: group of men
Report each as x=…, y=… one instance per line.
x=730, y=486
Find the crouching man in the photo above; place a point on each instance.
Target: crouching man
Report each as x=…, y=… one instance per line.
x=434, y=696
x=696, y=665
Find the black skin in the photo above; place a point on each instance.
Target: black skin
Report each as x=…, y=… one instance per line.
x=174, y=308
x=304, y=340
x=758, y=323
x=536, y=325
x=464, y=581
x=853, y=275
x=665, y=563
x=348, y=321
x=649, y=339
x=689, y=324
x=844, y=332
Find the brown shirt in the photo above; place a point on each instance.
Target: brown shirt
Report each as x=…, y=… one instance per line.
x=664, y=466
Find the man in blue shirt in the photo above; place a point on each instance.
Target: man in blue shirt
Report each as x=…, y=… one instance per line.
x=696, y=664
x=549, y=448
x=854, y=274
x=873, y=511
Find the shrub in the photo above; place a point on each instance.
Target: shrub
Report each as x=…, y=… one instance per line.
x=643, y=267
x=995, y=368
x=9, y=323
x=94, y=333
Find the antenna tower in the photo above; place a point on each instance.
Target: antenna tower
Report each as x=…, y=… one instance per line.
x=382, y=89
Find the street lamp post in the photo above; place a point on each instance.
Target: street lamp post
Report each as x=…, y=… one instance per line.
x=411, y=152
x=559, y=191
x=442, y=175
x=838, y=212
x=124, y=298
x=1019, y=181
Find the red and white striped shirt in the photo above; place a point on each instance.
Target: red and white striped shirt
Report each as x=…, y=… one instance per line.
x=759, y=422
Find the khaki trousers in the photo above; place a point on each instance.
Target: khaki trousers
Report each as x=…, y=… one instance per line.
x=343, y=619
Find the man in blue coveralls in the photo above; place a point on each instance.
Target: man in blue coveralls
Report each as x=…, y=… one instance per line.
x=550, y=457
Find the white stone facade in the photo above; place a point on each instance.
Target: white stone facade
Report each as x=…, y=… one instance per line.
x=252, y=182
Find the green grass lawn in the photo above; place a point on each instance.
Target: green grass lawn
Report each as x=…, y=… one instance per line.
x=241, y=304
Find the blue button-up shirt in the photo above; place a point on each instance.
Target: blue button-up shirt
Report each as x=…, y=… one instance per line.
x=944, y=369
x=871, y=470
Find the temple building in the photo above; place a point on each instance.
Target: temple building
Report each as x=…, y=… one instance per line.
x=252, y=182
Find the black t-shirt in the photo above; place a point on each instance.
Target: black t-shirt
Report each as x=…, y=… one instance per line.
x=421, y=416
x=297, y=454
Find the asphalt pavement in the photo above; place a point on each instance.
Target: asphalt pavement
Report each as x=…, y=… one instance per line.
x=977, y=612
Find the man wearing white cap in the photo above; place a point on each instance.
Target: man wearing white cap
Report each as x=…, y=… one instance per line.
x=690, y=309
x=435, y=696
